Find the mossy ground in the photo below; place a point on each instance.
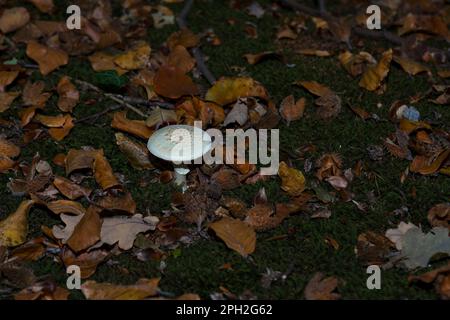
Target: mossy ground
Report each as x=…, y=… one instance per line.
x=197, y=268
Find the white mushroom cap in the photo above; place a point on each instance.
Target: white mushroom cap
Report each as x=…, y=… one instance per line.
x=179, y=143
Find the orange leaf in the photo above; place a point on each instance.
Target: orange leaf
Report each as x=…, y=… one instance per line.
x=228, y=90
x=180, y=58
x=49, y=59
x=106, y=291
x=68, y=95
x=6, y=78
x=135, y=127
x=374, y=75
x=291, y=110
x=103, y=172
x=70, y=189
x=87, y=232
x=173, y=83
x=60, y=133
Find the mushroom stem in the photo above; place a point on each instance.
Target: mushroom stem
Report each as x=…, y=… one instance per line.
x=180, y=177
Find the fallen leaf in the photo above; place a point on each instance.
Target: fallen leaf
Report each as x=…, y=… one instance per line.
x=66, y=206
x=136, y=152
x=163, y=17
x=337, y=182
x=321, y=288
x=13, y=19
x=239, y=114
x=291, y=110
x=6, y=78
x=79, y=159
x=106, y=291
x=355, y=64
x=184, y=37
x=262, y=217
x=136, y=58
x=60, y=133
x=173, y=83
x=51, y=121
x=86, y=232
x=103, y=172
x=314, y=52
x=49, y=59
x=439, y=215
x=158, y=117
x=259, y=57
x=375, y=74
x=373, y=248
x=45, y=290
x=292, y=180
x=44, y=6
x=14, y=229
x=101, y=61
x=440, y=277
x=6, y=99
x=8, y=149
x=228, y=179
x=87, y=261
x=428, y=165
x=33, y=94
x=227, y=90
x=122, y=203
x=236, y=234
x=180, y=58
x=70, y=189
x=68, y=95
x=410, y=66
x=135, y=127
x=123, y=230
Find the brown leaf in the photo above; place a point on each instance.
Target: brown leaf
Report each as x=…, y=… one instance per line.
x=101, y=61
x=321, y=288
x=66, y=206
x=51, y=121
x=440, y=277
x=68, y=95
x=262, y=217
x=32, y=250
x=6, y=98
x=106, y=291
x=60, y=133
x=79, y=159
x=103, y=172
x=374, y=75
x=262, y=56
x=238, y=114
x=227, y=90
x=171, y=82
x=49, y=59
x=354, y=64
x=87, y=261
x=236, y=234
x=184, y=37
x=439, y=215
x=6, y=78
x=122, y=202
x=33, y=94
x=410, y=66
x=44, y=6
x=8, y=149
x=158, y=117
x=14, y=229
x=86, y=232
x=13, y=19
x=228, y=179
x=135, y=127
x=428, y=165
x=180, y=58
x=314, y=52
x=45, y=290
x=136, y=152
x=373, y=248
x=337, y=182
x=291, y=110
x=70, y=189
x=292, y=180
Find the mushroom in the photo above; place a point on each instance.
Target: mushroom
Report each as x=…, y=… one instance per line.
x=180, y=144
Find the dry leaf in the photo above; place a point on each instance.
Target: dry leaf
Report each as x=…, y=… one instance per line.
x=136, y=58
x=70, y=189
x=236, y=234
x=87, y=261
x=354, y=64
x=13, y=19
x=292, y=180
x=291, y=110
x=101, y=61
x=173, y=83
x=14, y=229
x=6, y=78
x=60, y=133
x=8, y=149
x=51, y=121
x=158, y=117
x=321, y=288
x=228, y=179
x=66, y=206
x=103, y=172
x=33, y=94
x=374, y=75
x=184, y=37
x=410, y=66
x=49, y=59
x=122, y=202
x=428, y=165
x=44, y=6
x=180, y=58
x=45, y=290
x=123, y=230
x=68, y=95
x=79, y=159
x=239, y=113
x=135, y=127
x=106, y=291
x=228, y=90
x=439, y=215
x=136, y=152
x=314, y=52
x=86, y=232
x=6, y=98
x=259, y=57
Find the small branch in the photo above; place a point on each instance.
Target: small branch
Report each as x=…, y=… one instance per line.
x=322, y=6
x=110, y=96
x=198, y=56
x=97, y=115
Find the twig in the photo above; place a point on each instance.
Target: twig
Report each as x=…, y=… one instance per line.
x=110, y=96
x=97, y=115
x=322, y=6
x=198, y=56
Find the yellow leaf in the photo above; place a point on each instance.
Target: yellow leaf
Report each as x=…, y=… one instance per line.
x=134, y=59
x=292, y=180
x=236, y=234
x=410, y=66
x=374, y=75
x=14, y=229
x=228, y=90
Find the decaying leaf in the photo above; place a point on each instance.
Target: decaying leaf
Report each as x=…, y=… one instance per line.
x=13, y=19
x=144, y=288
x=160, y=116
x=321, y=288
x=14, y=229
x=103, y=172
x=122, y=202
x=439, y=215
x=136, y=152
x=375, y=74
x=292, y=180
x=134, y=59
x=44, y=290
x=70, y=189
x=87, y=261
x=236, y=234
x=329, y=103
x=49, y=59
x=291, y=110
x=6, y=99
x=79, y=159
x=239, y=113
x=228, y=90
x=173, y=83
x=135, y=127
x=123, y=230
x=410, y=66
x=68, y=95
x=440, y=277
